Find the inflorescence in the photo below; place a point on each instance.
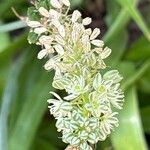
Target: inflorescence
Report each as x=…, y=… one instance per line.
x=86, y=114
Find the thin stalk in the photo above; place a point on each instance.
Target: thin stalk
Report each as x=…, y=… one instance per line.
x=12, y=26
x=137, y=75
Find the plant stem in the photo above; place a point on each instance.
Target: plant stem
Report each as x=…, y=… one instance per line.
x=137, y=75
x=12, y=26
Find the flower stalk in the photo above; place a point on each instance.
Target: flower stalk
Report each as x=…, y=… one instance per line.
x=87, y=114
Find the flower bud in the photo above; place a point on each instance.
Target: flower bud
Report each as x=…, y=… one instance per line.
x=95, y=34
x=75, y=16
x=86, y=21
x=59, y=49
x=44, y=12
x=33, y=24
x=42, y=54
x=98, y=43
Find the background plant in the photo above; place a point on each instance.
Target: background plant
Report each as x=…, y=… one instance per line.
x=24, y=121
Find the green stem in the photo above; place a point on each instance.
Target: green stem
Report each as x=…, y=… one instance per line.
x=120, y=22
x=137, y=75
x=12, y=26
x=135, y=14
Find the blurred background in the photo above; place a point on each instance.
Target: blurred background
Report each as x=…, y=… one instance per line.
x=25, y=123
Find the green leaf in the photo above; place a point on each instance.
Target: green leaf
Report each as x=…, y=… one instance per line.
x=30, y=116
x=48, y=131
x=135, y=14
x=76, y=3
x=8, y=96
x=4, y=41
x=32, y=37
x=116, y=30
x=139, y=50
x=43, y=145
x=137, y=75
x=17, y=45
x=33, y=14
x=145, y=113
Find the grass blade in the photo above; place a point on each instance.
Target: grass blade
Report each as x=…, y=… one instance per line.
x=129, y=135
x=135, y=14
x=30, y=116
x=7, y=98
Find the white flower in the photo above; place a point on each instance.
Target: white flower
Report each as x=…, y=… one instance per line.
x=77, y=86
x=75, y=16
x=108, y=121
x=107, y=90
x=44, y=12
x=96, y=105
x=58, y=107
x=86, y=114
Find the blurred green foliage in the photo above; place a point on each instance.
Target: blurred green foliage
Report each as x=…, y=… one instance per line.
x=25, y=123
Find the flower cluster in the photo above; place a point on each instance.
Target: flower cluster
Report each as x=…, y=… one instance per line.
x=86, y=114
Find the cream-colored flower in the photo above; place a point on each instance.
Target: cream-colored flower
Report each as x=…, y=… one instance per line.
x=85, y=115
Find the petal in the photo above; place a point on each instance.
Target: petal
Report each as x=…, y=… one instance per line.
x=59, y=49
x=98, y=43
x=43, y=12
x=95, y=34
x=42, y=54
x=97, y=81
x=61, y=30
x=40, y=30
x=86, y=21
x=105, y=53
x=75, y=16
x=33, y=24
